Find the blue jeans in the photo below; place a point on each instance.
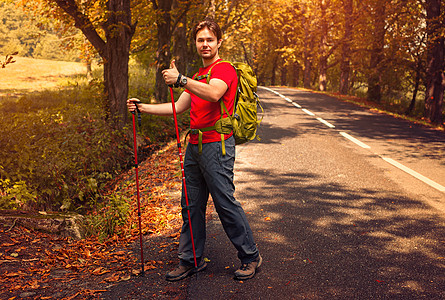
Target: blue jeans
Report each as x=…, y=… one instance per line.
x=211, y=172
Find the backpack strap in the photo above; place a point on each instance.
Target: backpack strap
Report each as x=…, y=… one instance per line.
x=223, y=108
x=217, y=127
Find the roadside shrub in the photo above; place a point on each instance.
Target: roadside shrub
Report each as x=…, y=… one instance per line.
x=108, y=216
x=57, y=150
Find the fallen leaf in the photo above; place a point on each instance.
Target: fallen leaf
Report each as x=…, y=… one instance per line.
x=34, y=284
x=267, y=219
x=136, y=272
x=113, y=278
x=100, y=271
x=7, y=245
x=126, y=277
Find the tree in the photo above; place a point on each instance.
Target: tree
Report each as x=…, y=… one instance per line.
x=435, y=78
x=346, y=51
x=109, y=30
x=308, y=46
x=163, y=52
x=378, y=17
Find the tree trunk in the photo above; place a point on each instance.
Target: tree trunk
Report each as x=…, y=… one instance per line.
x=283, y=75
x=435, y=79
x=323, y=69
x=416, y=87
x=180, y=41
x=307, y=59
x=118, y=33
x=377, y=45
x=413, y=99
x=163, y=54
x=323, y=48
x=307, y=72
x=295, y=74
x=274, y=71
x=345, y=63
x=114, y=52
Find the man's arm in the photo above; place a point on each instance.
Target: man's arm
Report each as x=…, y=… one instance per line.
x=162, y=109
x=210, y=92
x=213, y=91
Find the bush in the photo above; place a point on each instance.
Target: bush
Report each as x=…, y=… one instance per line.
x=108, y=216
x=58, y=148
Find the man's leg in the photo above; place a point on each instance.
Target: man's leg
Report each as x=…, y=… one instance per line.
x=219, y=177
x=198, y=195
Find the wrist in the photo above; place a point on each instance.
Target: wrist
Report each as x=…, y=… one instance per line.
x=182, y=80
x=178, y=80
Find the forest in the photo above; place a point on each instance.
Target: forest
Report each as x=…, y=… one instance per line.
x=389, y=52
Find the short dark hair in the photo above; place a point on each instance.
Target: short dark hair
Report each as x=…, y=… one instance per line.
x=211, y=25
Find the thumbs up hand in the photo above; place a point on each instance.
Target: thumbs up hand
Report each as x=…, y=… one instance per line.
x=171, y=75
x=173, y=65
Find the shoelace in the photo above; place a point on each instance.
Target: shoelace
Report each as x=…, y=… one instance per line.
x=244, y=267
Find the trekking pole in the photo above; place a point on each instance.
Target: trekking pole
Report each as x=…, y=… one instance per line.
x=183, y=174
x=137, y=181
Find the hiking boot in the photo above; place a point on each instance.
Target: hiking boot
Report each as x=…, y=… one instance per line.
x=182, y=272
x=247, y=271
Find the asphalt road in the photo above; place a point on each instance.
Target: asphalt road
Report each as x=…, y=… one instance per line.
x=344, y=203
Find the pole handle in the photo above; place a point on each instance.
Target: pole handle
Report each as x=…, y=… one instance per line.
x=138, y=112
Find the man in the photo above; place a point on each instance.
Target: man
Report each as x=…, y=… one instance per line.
x=207, y=169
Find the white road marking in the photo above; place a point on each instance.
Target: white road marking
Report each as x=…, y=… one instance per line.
x=354, y=140
x=396, y=164
x=415, y=174
x=308, y=112
x=326, y=123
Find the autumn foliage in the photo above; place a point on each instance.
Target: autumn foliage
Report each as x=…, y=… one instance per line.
x=48, y=266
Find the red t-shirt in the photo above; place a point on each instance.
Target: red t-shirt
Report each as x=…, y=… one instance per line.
x=205, y=113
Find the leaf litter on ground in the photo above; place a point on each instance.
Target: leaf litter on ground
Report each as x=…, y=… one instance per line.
x=45, y=266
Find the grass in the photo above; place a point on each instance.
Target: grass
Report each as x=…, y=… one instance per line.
x=57, y=149
x=29, y=75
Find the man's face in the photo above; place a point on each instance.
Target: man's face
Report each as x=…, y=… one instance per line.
x=207, y=44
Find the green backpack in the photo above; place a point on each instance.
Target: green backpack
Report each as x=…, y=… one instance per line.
x=244, y=121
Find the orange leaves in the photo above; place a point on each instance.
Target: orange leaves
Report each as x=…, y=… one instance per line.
x=100, y=271
x=13, y=274
x=149, y=265
x=53, y=261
